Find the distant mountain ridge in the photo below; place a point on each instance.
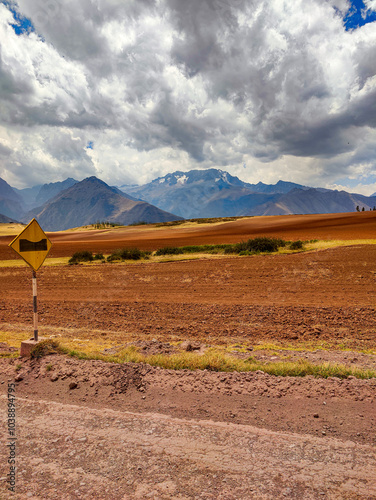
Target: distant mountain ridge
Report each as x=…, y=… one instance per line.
x=11, y=203
x=37, y=195
x=203, y=193
x=49, y=191
x=314, y=201
x=92, y=200
x=216, y=193
x=193, y=194
x=6, y=220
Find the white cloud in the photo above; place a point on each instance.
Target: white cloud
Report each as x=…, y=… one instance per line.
x=173, y=85
x=370, y=4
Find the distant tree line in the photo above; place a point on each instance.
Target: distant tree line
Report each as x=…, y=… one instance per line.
x=363, y=209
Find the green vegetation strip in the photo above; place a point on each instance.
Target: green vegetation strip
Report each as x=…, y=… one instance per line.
x=212, y=360
x=250, y=247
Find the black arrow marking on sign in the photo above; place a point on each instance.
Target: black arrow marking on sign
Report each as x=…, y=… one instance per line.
x=33, y=246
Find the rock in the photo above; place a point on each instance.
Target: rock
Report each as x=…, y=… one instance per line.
x=18, y=378
x=190, y=346
x=315, y=415
x=73, y=385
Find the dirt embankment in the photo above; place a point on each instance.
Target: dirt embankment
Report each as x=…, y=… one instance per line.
x=87, y=429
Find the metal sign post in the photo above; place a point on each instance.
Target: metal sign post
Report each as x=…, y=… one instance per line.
x=33, y=246
x=35, y=306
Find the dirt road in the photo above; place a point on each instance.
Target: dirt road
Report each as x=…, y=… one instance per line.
x=133, y=432
x=70, y=452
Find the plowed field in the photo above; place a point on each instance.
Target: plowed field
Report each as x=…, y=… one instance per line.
x=348, y=226
x=165, y=434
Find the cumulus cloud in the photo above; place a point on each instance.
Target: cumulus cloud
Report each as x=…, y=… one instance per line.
x=370, y=4
x=162, y=85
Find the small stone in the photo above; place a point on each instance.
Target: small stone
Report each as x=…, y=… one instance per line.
x=73, y=385
x=190, y=346
x=323, y=433
x=18, y=378
x=315, y=415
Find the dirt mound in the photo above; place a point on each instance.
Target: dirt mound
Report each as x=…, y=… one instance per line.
x=278, y=403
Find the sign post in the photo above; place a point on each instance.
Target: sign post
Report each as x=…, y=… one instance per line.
x=35, y=306
x=33, y=246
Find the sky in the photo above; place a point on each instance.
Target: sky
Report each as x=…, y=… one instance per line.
x=130, y=90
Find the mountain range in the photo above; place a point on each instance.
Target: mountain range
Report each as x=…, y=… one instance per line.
x=194, y=194
x=216, y=193
x=92, y=200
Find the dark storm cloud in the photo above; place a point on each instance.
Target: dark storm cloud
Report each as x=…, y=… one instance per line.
x=75, y=28
x=185, y=133
x=219, y=80
x=5, y=150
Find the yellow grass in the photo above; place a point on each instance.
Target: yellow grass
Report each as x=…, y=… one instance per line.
x=324, y=244
x=50, y=261
x=149, y=227
x=93, y=342
x=7, y=229
x=212, y=360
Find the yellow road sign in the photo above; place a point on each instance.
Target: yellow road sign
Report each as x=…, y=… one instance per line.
x=32, y=245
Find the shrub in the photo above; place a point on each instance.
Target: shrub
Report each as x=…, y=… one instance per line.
x=256, y=245
x=83, y=256
x=45, y=347
x=192, y=249
x=296, y=245
x=169, y=251
x=128, y=254
x=98, y=256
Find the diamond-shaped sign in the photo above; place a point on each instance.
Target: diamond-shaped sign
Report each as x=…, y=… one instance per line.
x=32, y=245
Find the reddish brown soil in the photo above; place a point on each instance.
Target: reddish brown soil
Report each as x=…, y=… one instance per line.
x=318, y=296
x=195, y=435
x=88, y=429
x=346, y=226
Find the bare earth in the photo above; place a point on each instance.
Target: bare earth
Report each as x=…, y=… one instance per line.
x=88, y=429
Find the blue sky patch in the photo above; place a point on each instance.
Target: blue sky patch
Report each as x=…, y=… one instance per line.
x=21, y=24
x=358, y=15
x=90, y=145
